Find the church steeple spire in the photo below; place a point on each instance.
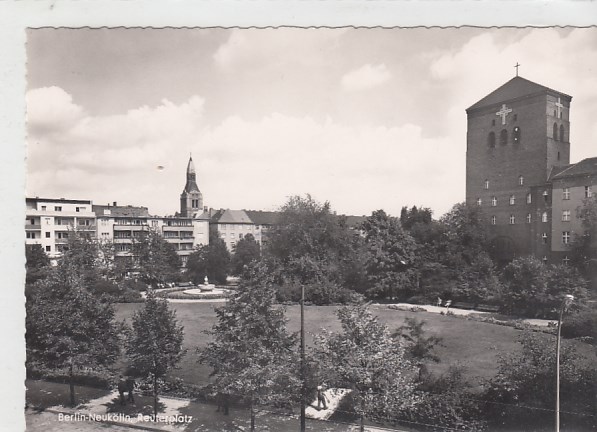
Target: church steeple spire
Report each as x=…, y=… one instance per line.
x=191, y=199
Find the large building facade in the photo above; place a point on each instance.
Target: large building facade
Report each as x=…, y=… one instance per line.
x=518, y=170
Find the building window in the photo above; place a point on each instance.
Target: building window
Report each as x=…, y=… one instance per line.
x=529, y=198
x=588, y=192
x=493, y=220
x=516, y=135
x=555, y=132
x=512, y=200
x=566, y=260
x=30, y=235
x=512, y=219
x=47, y=235
x=566, y=237
x=562, y=131
x=520, y=180
x=486, y=184
x=77, y=209
x=544, y=238
x=529, y=218
x=545, y=196
x=493, y=201
x=57, y=208
x=544, y=217
x=48, y=248
x=566, y=193
x=479, y=201
x=491, y=140
x=43, y=208
x=565, y=215
x=504, y=137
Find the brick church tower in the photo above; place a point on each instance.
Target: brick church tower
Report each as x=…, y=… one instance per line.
x=191, y=199
x=517, y=137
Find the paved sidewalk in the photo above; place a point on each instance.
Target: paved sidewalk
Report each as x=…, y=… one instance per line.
x=104, y=412
x=463, y=312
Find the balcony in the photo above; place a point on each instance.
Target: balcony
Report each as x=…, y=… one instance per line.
x=33, y=227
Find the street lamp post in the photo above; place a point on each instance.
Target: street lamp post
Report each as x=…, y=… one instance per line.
x=303, y=390
x=565, y=303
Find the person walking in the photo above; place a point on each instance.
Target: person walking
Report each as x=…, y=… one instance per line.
x=122, y=387
x=130, y=386
x=321, y=398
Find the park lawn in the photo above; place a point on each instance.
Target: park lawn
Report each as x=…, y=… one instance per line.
x=471, y=344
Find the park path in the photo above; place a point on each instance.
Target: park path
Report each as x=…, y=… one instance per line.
x=461, y=312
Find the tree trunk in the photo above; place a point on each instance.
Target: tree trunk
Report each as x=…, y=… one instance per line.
x=362, y=414
x=71, y=384
x=252, y=416
x=155, y=397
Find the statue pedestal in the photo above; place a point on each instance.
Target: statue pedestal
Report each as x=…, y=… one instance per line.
x=206, y=287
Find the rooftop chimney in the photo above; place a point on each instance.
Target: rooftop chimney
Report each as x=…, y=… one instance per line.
x=115, y=203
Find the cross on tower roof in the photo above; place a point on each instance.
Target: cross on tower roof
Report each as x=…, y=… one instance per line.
x=517, y=65
x=559, y=107
x=503, y=112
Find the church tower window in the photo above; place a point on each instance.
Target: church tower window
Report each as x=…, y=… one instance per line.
x=486, y=185
x=493, y=220
x=512, y=219
x=504, y=137
x=555, y=132
x=529, y=218
x=520, y=180
x=491, y=140
x=512, y=199
x=479, y=201
x=562, y=131
x=544, y=217
x=493, y=201
x=529, y=198
x=516, y=135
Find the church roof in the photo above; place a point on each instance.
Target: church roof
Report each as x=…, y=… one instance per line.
x=584, y=167
x=515, y=88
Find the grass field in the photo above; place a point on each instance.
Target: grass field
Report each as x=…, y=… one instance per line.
x=473, y=345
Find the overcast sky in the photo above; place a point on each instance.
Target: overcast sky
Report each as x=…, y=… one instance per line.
x=365, y=119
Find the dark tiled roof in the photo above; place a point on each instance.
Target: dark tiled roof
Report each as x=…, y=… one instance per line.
x=121, y=211
x=582, y=168
x=515, y=88
x=355, y=221
x=263, y=217
x=231, y=216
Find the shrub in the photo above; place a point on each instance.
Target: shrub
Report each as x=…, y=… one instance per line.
x=583, y=323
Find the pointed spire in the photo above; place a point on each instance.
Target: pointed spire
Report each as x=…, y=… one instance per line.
x=191, y=165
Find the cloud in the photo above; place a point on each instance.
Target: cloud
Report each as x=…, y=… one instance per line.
x=51, y=110
x=241, y=163
x=365, y=77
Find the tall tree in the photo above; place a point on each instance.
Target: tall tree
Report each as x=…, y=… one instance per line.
x=67, y=326
x=156, y=259
x=312, y=246
x=252, y=354
x=246, y=251
x=365, y=358
x=390, y=256
x=212, y=260
x=37, y=263
x=154, y=345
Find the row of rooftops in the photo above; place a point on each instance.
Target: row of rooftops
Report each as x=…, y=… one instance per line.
x=221, y=216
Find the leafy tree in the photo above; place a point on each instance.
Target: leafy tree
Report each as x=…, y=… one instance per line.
x=67, y=326
x=415, y=216
x=37, y=264
x=527, y=379
x=246, y=251
x=154, y=345
x=531, y=288
x=365, y=358
x=156, y=259
x=311, y=245
x=212, y=261
x=419, y=347
x=390, y=256
x=252, y=354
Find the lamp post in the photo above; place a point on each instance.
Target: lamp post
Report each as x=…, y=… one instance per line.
x=303, y=390
x=568, y=298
